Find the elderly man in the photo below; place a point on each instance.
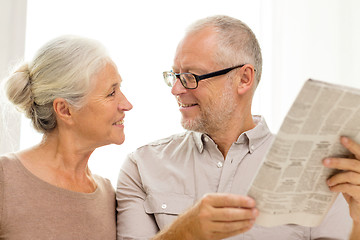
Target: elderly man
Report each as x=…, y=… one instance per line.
x=193, y=185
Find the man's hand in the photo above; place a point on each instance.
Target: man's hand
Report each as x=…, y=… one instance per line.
x=348, y=181
x=215, y=216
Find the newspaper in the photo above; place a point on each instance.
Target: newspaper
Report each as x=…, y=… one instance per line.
x=290, y=185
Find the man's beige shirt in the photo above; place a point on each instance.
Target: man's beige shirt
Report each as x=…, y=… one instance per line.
x=161, y=180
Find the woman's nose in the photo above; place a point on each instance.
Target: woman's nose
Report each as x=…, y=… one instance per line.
x=124, y=104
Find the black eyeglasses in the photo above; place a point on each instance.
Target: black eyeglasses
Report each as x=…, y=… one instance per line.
x=190, y=80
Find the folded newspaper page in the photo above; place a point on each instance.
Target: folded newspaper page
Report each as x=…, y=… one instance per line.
x=290, y=186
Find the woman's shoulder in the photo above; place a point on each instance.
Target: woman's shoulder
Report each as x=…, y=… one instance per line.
x=9, y=165
x=103, y=183
x=9, y=158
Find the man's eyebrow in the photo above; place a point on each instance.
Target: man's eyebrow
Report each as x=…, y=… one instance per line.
x=190, y=69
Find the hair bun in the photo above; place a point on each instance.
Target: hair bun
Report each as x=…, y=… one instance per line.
x=18, y=88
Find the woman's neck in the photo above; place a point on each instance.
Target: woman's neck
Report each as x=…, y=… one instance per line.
x=60, y=162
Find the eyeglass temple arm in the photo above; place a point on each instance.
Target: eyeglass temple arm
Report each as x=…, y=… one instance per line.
x=217, y=73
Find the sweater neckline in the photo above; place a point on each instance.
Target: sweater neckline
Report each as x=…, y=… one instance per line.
x=50, y=187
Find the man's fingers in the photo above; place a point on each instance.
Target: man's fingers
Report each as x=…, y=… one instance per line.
x=346, y=163
x=229, y=227
x=344, y=177
x=349, y=189
x=351, y=145
x=228, y=200
x=233, y=214
x=343, y=164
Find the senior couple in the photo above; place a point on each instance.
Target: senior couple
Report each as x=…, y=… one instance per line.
x=186, y=186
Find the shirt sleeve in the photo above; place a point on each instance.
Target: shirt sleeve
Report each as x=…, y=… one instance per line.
x=132, y=220
x=337, y=223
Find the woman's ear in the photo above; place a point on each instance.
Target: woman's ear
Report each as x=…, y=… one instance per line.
x=247, y=79
x=62, y=110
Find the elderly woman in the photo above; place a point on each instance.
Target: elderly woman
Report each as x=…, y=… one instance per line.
x=71, y=92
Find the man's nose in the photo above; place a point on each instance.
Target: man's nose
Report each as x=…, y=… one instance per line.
x=178, y=88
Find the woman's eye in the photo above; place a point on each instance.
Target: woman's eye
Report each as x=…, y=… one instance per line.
x=112, y=93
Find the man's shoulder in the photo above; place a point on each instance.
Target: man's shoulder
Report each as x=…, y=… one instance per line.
x=173, y=139
x=169, y=143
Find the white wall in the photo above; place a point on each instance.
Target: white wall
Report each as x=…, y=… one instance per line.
x=12, y=44
x=316, y=39
x=142, y=37
x=300, y=39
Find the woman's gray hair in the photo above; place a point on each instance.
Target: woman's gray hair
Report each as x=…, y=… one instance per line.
x=62, y=68
x=237, y=44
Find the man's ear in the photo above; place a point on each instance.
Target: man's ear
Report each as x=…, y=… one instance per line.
x=247, y=79
x=62, y=110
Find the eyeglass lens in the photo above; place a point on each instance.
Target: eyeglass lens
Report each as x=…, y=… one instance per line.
x=169, y=78
x=188, y=80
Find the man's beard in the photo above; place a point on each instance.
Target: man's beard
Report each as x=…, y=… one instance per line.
x=215, y=116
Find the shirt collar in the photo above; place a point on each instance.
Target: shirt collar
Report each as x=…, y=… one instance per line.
x=253, y=138
x=198, y=138
x=258, y=134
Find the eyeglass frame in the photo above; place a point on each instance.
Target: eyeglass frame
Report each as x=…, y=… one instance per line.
x=200, y=77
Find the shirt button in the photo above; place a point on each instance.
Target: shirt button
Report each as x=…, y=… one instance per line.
x=163, y=206
x=219, y=164
x=252, y=148
x=206, y=139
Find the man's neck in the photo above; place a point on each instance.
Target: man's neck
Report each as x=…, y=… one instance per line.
x=226, y=136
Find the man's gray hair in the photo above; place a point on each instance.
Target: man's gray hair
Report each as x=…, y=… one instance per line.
x=237, y=44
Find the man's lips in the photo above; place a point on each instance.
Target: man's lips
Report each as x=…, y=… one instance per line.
x=185, y=105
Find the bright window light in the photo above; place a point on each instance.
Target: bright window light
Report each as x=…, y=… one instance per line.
x=142, y=37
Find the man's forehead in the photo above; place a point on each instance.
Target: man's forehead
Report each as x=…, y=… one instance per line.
x=195, y=51
x=191, y=60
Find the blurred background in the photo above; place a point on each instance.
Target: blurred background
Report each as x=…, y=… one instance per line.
x=300, y=39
